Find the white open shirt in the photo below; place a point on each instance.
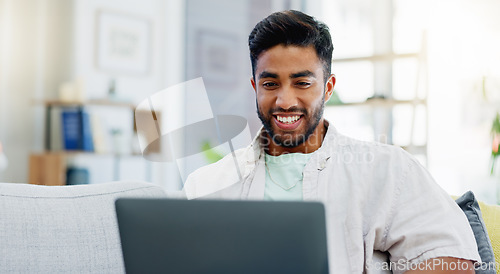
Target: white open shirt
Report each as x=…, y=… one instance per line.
x=382, y=206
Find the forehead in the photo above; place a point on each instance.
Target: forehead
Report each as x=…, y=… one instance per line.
x=282, y=59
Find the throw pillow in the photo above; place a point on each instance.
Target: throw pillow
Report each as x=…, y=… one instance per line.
x=470, y=207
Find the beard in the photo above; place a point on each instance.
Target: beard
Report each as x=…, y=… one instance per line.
x=291, y=140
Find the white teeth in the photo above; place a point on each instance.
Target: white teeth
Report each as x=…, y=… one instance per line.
x=288, y=119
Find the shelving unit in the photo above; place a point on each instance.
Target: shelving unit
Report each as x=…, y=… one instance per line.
x=51, y=104
x=388, y=103
x=56, y=159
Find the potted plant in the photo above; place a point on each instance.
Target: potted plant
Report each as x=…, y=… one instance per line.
x=495, y=149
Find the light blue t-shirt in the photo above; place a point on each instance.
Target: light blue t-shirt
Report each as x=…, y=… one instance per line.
x=284, y=176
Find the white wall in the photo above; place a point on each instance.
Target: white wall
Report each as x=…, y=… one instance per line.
x=129, y=86
x=166, y=61
x=34, y=59
x=44, y=43
x=221, y=28
x=462, y=41
x=463, y=47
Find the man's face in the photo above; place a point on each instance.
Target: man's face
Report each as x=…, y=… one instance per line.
x=290, y=92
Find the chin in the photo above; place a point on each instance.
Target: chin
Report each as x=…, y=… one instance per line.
x=290, y=141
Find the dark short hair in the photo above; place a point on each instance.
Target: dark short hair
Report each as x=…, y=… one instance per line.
x=295, y=28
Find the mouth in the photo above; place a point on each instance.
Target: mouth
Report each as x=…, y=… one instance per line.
x=288, y=122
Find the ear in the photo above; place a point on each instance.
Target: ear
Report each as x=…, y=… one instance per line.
x=253, y=84
x=330, y=84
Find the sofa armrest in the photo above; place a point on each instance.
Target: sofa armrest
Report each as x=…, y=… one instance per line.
x=64, y=229
x=491, y=217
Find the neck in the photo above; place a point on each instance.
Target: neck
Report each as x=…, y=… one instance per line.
x=312, y=143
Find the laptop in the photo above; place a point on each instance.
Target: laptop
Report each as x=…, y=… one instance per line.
x=208, y=236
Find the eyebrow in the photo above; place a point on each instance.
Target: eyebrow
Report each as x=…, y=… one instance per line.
x=305, y=73
x=267, y=74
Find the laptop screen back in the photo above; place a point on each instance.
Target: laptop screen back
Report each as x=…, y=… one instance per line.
x=179, y=236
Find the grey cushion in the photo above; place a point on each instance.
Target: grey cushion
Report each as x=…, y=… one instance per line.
x=63, y=229
x=469, y=205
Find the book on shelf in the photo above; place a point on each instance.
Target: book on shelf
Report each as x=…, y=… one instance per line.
x=71, y=129
x=76, y=129
x=56, y=138
x=99, y=134
x=87, y=141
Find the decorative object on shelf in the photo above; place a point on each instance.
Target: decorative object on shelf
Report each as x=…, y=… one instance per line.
x=112, y=89
x=121, y=142
x=47, y=169
x=123, y=43
x=77, y=176
x=377, y=97
x=72, y=91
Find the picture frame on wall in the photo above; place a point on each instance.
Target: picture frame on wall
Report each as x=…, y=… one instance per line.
x=123, y=43
x=216, y=58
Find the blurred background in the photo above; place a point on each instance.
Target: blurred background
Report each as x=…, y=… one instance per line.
x=423, y=75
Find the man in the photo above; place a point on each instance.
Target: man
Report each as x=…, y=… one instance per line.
x=381, y=204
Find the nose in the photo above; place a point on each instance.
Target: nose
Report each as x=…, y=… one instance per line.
x=286, y=99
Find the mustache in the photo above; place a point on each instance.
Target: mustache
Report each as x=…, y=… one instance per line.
x=290, y=110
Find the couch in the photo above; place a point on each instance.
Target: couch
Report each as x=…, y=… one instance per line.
x=69, y=229
x=491, y=216
x=484, y=220
x=64, y=229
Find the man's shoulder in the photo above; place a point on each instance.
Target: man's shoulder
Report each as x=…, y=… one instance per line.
x=369, y=149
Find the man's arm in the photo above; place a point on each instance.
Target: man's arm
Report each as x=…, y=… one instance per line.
x=444, y=265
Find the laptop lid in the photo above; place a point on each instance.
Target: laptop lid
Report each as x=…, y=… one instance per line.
x=207, y=236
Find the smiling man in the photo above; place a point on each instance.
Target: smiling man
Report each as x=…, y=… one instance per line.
x=291, y=94
x=384, y=211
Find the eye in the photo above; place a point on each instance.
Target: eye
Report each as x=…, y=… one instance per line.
x=303, y=84
x=269, y=85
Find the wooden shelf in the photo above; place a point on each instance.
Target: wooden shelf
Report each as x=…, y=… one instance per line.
x=375, y=58
x=382, y=103
x=90, y=153
x=416, y=149
x=99, y=102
